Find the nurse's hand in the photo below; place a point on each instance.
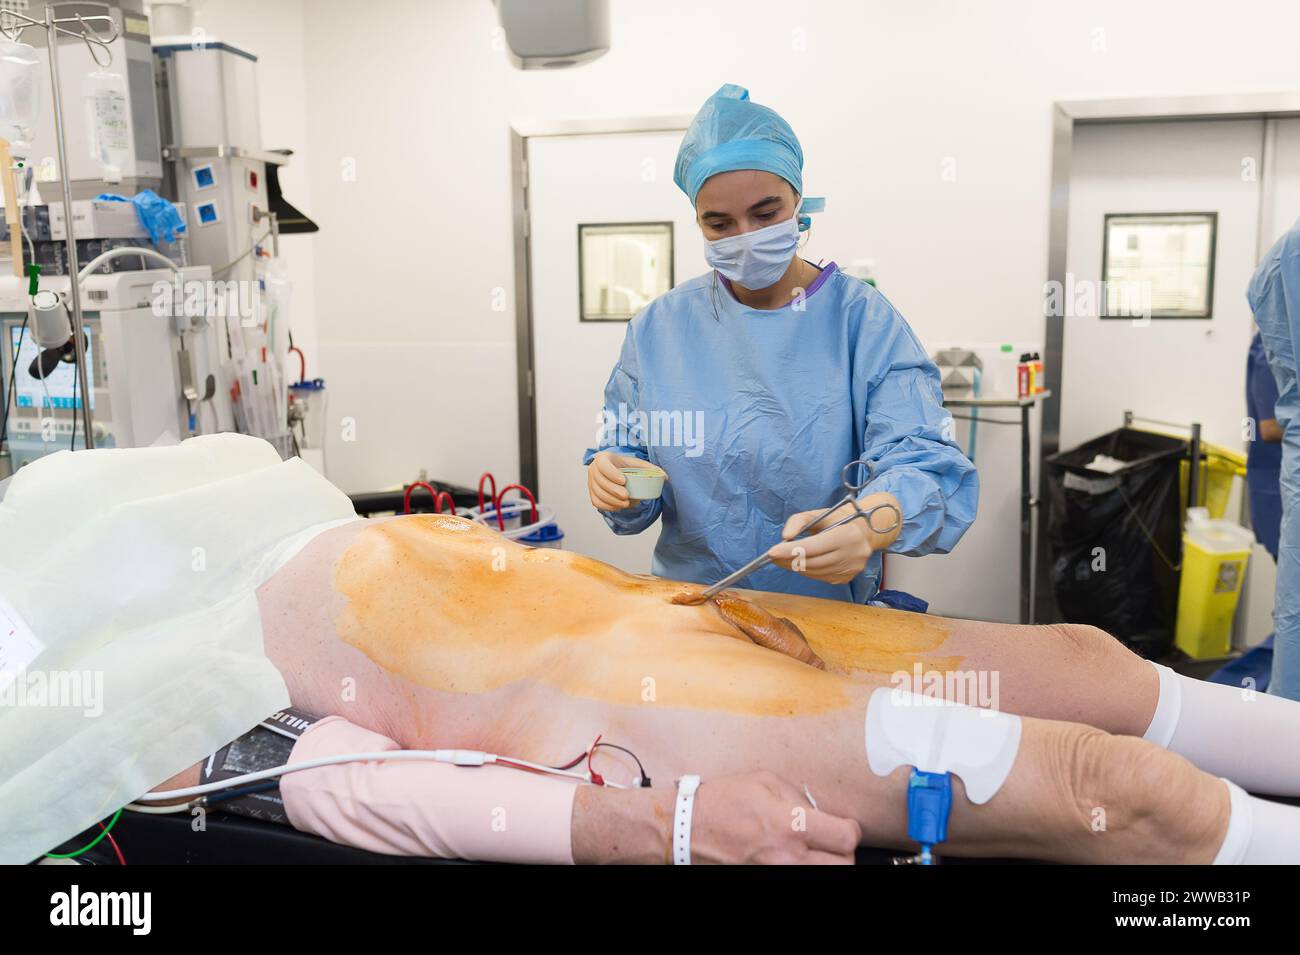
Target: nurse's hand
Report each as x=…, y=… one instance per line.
x=838, y=555
x=606, y=484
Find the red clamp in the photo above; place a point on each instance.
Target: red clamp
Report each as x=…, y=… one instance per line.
x=501, y=521
x=486, y=476
x=406, y=498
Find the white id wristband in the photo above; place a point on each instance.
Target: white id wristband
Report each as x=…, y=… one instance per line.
x=686, y=787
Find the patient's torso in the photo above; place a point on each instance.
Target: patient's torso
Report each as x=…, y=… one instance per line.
x=404, y=623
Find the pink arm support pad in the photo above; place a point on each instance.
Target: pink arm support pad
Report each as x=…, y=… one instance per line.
x=486, y=813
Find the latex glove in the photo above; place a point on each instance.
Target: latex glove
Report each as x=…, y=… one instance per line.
x=155, y=213
x=606, y=484
x=835, y=556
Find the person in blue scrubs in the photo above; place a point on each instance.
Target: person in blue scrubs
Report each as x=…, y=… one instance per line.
x=1264, y=453
x=1274, y=296
x=753, y=385
x=1263, y=477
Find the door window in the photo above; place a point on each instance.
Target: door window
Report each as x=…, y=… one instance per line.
x=1159, y=266
x=622, y=267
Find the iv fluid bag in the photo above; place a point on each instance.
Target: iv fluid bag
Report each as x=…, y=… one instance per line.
x=20, y=94
x=279, y=294
x=107, y=129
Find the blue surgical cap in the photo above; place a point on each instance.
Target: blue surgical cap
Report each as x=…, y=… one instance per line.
x=729, y=132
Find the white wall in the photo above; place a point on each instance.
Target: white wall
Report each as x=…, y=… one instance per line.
x=418, y=102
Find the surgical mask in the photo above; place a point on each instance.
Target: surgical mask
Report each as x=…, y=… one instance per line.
x=755, y=260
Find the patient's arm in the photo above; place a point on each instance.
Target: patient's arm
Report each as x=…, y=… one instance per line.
x=496, y=814
x=486, y=813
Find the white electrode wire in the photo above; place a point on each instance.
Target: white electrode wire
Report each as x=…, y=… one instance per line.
x=457, y=757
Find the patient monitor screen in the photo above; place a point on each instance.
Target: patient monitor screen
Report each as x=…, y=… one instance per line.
x=57, y=391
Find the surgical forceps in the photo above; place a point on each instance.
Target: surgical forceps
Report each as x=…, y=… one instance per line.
x=852, y=489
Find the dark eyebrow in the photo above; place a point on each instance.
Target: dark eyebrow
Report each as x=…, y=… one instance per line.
x=754, y=208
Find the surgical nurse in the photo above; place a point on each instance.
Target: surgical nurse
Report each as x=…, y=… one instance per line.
x=1274, y=296
x=753, y=386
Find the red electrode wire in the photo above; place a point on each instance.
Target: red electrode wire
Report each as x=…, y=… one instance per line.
x=121, y=859
x=501, y=761
x=596, y=778
x=451, y=503
x=573, y=762
x=302, y=363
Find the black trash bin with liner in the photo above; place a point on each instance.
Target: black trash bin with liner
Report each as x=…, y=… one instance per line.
x=1116, y=538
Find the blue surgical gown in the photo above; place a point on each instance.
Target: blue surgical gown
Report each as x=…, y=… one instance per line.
x=753, y=413
x=1274, y=296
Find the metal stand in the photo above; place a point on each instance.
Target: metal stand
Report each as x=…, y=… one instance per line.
x=53, y=27
x=1028, y=502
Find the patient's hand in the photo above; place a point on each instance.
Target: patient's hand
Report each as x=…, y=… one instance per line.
x=754, y=818
x=759, y=818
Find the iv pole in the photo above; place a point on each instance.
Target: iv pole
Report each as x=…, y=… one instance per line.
x=92, y=37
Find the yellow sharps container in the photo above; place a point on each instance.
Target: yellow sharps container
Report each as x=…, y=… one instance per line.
x=1215, y=553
